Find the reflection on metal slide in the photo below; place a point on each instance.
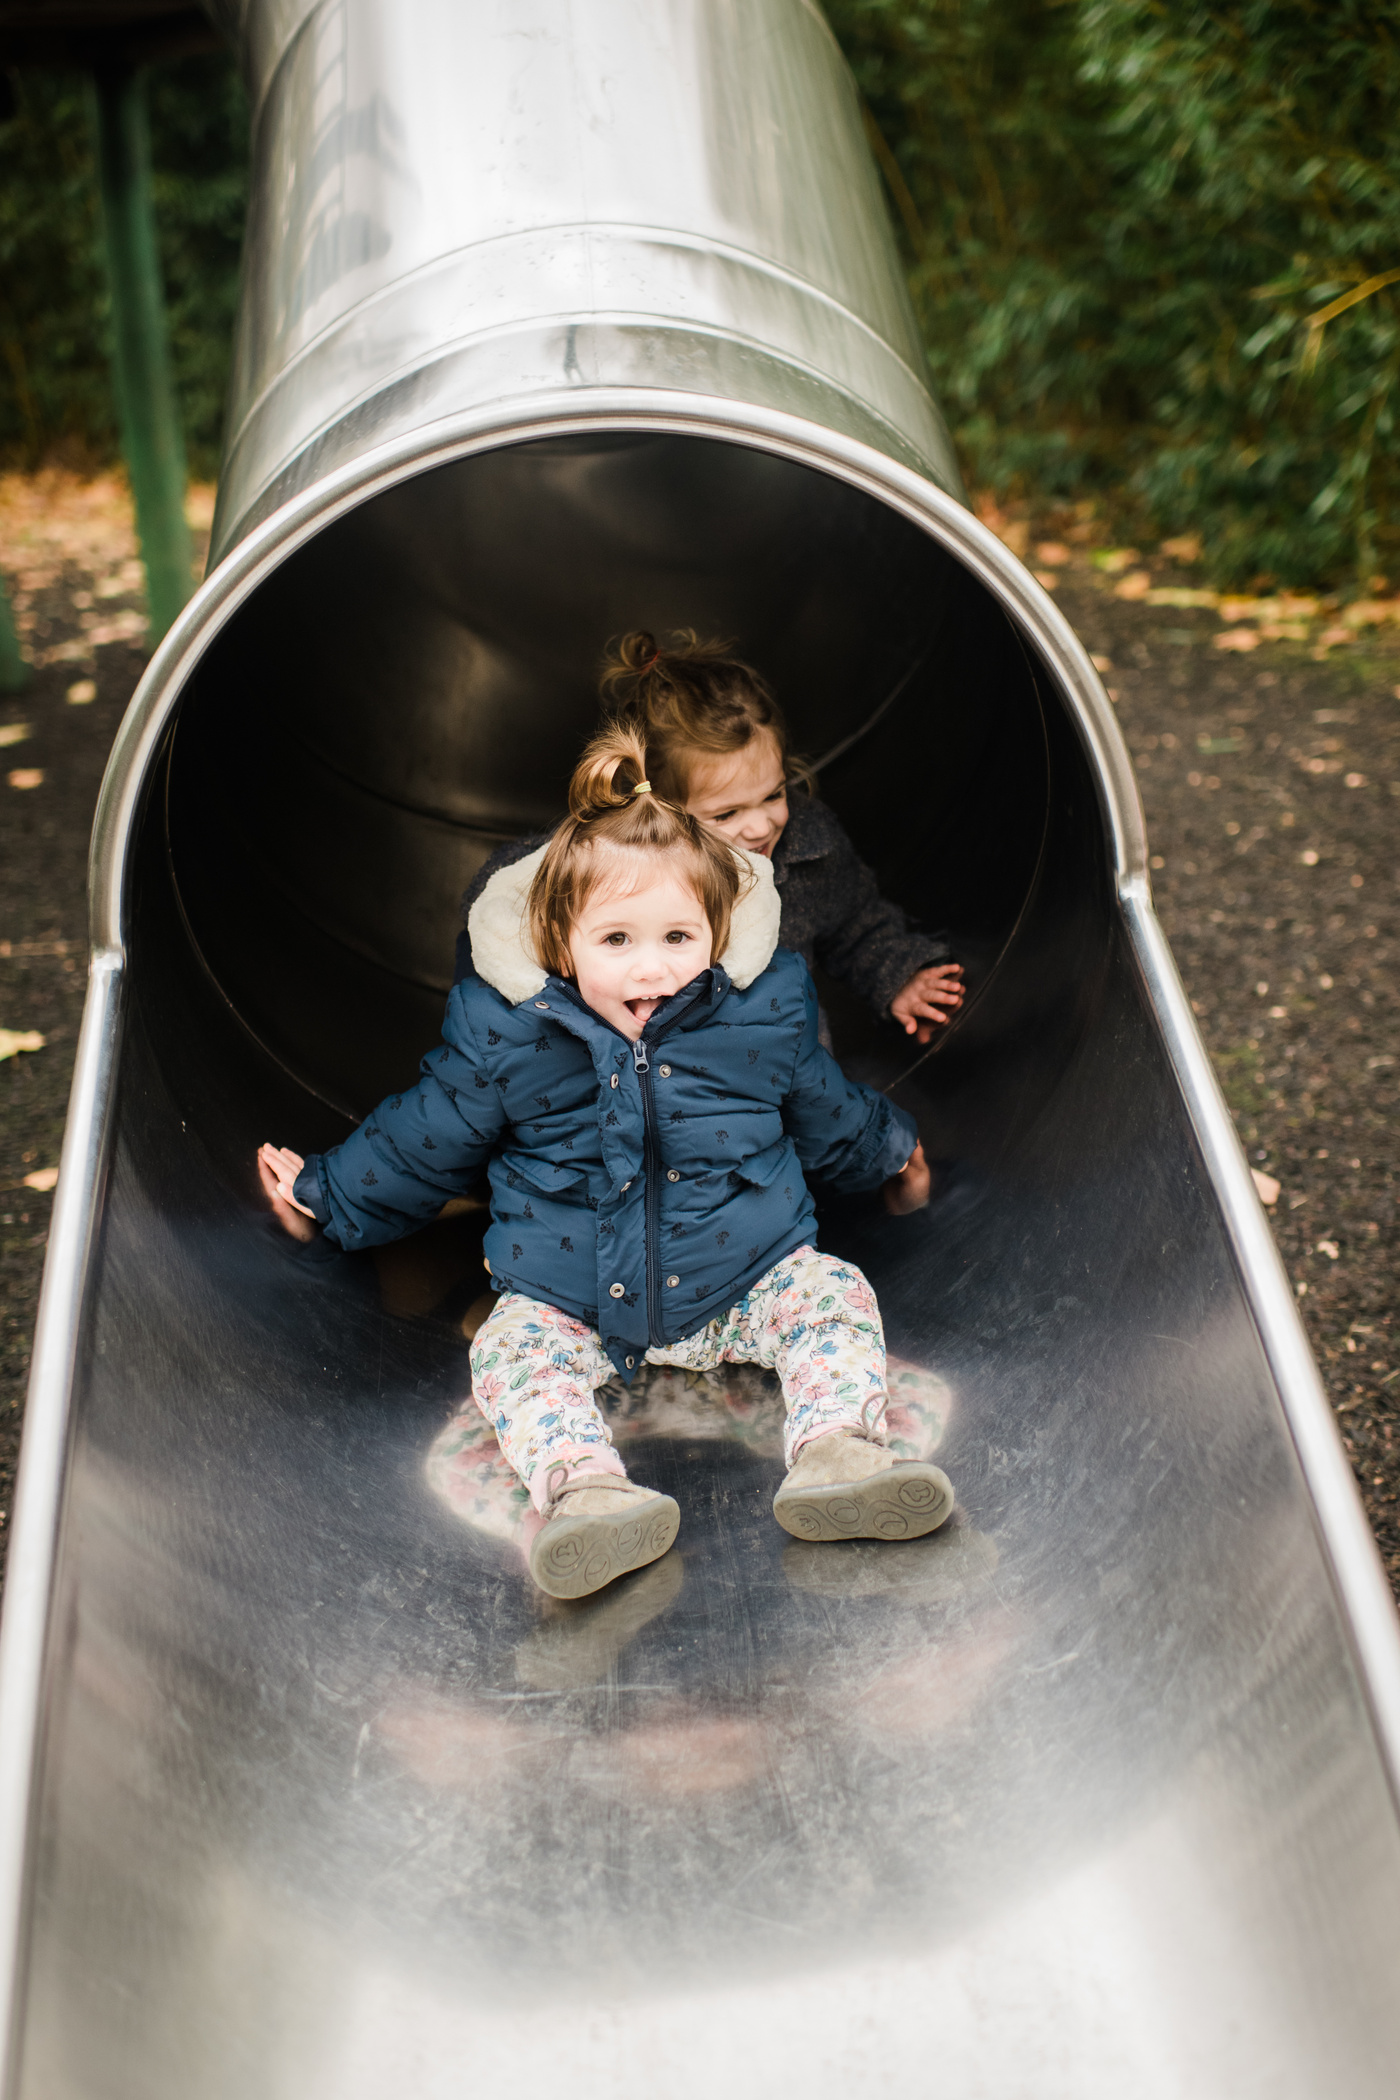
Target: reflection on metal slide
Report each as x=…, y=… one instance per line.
x=560, y=317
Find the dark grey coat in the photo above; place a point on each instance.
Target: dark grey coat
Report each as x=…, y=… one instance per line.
x=833, y=914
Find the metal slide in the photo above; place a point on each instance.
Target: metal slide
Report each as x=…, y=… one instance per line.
x=563, y=316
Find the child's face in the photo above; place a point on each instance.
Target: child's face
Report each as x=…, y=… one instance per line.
x=743, y=797
x=631, y=948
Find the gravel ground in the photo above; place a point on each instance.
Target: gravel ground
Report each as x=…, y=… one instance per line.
x=1271, y=781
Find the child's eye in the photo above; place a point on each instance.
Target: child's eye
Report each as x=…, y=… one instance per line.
x=778, y=794
x=615, y=940
x=724, y=816
x=676, y=936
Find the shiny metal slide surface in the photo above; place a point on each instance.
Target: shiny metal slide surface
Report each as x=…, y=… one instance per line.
x=563, y=316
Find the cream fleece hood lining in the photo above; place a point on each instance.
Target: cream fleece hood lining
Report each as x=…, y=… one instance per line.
x=503, y=956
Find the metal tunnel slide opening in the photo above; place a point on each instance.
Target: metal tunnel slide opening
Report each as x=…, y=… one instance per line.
x=330, y=1802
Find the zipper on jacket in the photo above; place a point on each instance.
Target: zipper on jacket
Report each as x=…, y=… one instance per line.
x=651, y=1167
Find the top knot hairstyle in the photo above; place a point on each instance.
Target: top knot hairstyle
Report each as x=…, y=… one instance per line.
x=694, y=700
x=615, y=816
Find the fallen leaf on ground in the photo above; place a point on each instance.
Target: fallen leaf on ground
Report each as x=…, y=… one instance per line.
x=27, y=777
x=15, y=733
x=43, y=1179
x=1172, y=594
x=1330, y=1249
x=126, y=627
x=83, y=690
x=1266, y=1185
x=1241, y=638
x=1052, y=554
x=1369, y=612
x=64, y=653
x=13, y=1040
x=1136, y=584
x=1185, y=547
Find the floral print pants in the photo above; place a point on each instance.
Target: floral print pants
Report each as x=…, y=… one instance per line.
x=812, y=1319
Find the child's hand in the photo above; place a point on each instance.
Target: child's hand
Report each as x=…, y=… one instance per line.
x=278, y=1170
x=919, y=1007
x=909, y=1189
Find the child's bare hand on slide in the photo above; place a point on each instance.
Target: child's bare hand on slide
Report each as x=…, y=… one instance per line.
x=277, y=1170
x=919, y=1007
x=909, y=1189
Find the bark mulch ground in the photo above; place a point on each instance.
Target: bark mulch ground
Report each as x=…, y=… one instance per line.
x=1272, y=787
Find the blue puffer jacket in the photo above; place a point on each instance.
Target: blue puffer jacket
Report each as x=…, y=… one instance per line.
x=642, y=1187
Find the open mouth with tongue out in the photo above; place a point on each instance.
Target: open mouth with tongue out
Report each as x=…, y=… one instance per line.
x=641, y=1009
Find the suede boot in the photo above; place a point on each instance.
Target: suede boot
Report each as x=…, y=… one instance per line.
x=846, y=1486
x=597, y=1527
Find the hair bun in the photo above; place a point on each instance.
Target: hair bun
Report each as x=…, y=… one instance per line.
x=637, y=651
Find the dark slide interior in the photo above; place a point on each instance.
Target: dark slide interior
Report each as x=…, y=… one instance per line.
x=415, y=685
x=300, y=1681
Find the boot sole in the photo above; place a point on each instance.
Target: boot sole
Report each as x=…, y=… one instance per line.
x=904, y=1503
x=574, y=1556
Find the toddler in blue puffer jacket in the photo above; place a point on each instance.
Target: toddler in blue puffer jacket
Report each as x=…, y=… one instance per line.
x=637, y=1066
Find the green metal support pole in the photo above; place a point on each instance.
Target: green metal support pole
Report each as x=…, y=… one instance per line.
x=14, y=671
x=150, y=420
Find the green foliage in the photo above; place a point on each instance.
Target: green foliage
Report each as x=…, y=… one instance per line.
x=1121, y=215
x=55, y=382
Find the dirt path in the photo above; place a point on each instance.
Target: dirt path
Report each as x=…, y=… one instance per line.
x=1272, y=788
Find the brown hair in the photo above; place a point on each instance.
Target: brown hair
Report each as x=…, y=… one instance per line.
x=608, y=819
x=694, y=699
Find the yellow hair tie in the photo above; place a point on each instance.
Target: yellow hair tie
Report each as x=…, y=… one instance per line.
x=643, y=787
